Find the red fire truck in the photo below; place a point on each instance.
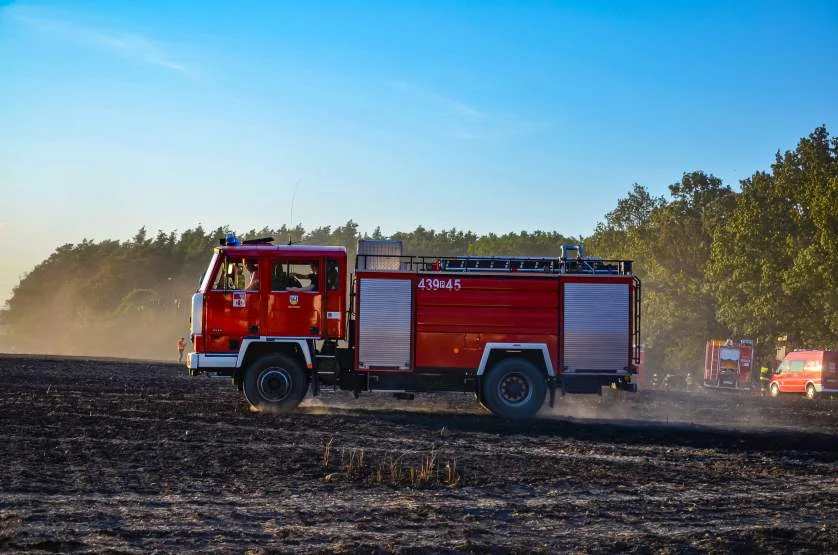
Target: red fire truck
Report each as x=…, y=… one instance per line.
x=512, y=330
x=727, y=363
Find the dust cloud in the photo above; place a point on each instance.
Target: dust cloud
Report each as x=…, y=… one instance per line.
x=699, y=407
x=69, y=325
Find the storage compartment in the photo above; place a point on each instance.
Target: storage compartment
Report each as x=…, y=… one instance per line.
x=596, y=327
x=385, y=314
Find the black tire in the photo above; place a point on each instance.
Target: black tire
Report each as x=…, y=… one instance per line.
x=274, y=382
x=774, y=390
x=811, y=392
x=514, y=388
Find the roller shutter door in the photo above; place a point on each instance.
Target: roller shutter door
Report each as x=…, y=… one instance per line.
x=384, y=323
x=596, y=327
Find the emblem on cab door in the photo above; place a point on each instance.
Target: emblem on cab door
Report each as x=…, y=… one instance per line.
x=294, y=299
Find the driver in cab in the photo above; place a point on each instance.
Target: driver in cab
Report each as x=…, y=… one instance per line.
x=312, y=276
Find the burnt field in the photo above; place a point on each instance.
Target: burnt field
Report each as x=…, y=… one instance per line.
x=121, y=456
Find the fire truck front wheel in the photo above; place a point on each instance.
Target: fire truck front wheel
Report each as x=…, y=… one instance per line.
x=274, y=382
x=514, y=388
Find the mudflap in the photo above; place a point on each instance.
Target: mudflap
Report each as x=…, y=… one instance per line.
x=551, y=384
x=593, y=384
x=581, y=384
x=315, y=384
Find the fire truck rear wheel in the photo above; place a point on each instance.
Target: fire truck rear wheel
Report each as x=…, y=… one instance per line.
x=514, y=388
x=811, y=392
x=275, y=382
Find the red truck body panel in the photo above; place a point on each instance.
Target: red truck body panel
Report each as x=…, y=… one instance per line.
x=454, y=316
x=452, y=326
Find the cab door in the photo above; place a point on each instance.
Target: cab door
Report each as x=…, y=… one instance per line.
x=812, y=370
x=335, y=297
x=795, y=379
x=233, y=311
x=294, y=303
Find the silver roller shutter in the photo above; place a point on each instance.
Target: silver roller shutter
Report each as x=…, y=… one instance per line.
x=384, y=323
x=596, y=327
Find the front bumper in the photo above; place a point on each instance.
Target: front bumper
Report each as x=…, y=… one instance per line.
x=220, y=364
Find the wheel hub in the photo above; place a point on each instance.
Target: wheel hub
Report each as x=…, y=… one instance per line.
x=274, y=384
x=514, y=388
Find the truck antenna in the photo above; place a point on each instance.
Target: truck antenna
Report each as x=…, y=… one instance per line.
x=291, y=219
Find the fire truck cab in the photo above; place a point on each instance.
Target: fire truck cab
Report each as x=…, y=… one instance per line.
x=512, y=330
x=727, y=364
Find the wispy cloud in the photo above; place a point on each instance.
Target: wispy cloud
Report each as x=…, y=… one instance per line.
x=498, y=130
x=457, y=107
x=468, y=123
x=60, y=24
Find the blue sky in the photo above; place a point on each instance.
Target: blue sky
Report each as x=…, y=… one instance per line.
x=481, y=115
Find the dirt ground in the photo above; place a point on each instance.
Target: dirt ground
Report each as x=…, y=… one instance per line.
x=105, y=455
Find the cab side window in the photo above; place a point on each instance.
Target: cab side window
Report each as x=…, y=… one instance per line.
x=228, y=276
x=295, y=275
x=332, y=275
x=279, y=275
x=812, y=366
x=796, y=366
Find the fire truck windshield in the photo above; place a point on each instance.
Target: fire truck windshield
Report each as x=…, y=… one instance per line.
x=206, y=279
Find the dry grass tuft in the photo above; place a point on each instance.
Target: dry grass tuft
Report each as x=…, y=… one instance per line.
x=327, y=452
x=391, y=468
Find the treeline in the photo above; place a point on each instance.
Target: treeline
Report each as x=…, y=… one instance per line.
x=759, y=263
x=132, y=298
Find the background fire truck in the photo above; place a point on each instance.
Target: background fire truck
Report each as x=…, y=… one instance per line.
x=727, y=363
x=511, y=330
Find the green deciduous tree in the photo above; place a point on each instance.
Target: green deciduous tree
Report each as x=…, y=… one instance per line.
x=774, y=259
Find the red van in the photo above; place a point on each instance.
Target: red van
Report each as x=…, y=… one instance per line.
x=809, y=372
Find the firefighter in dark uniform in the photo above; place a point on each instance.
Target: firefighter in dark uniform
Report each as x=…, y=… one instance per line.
x=764, y=380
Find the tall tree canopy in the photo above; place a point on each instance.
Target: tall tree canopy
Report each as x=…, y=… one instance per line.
x=774, y=259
